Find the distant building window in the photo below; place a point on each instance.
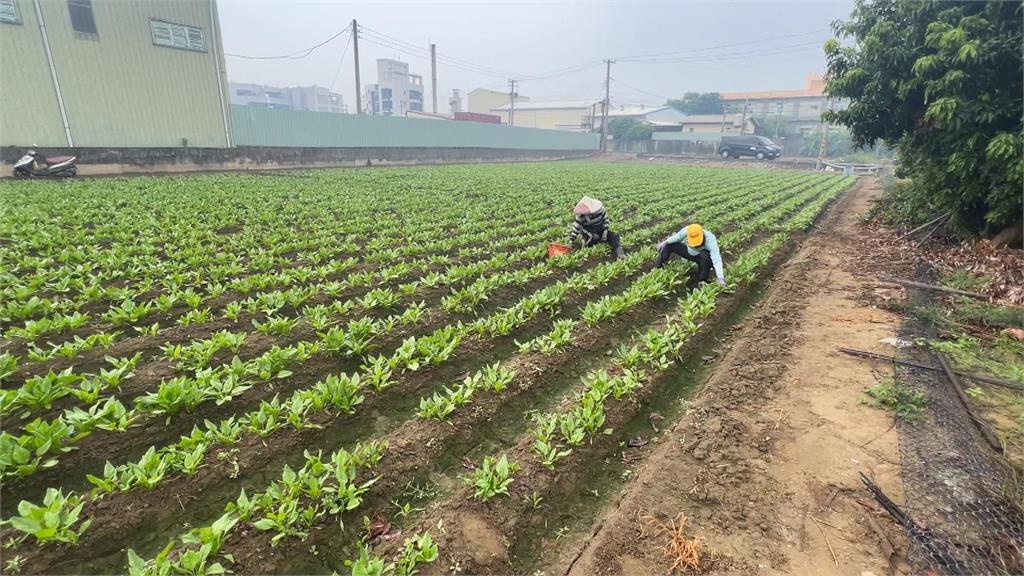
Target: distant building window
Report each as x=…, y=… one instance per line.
x=81, y=16
x=414, y=95
x=244, y=92
x=9, y=12
x=274, y=94
x=177, y=36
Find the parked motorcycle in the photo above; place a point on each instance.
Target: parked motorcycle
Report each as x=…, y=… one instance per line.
x=35, y=165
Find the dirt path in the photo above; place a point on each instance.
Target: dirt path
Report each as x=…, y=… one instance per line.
x=766, y=460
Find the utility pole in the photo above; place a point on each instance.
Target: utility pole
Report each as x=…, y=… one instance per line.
x=355, y=50
x=778, y=119
x=743, y=122
x=607, y=101
x=511, y=102
x=823, y=148
x=723, y=118
x=433, y=74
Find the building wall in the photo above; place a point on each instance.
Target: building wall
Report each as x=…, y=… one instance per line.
x=395, y=86
x=311, y=98
x=482, y=100
x=732, y=126
x=119, y=88
x=571, y=119
x=29, y=113
x=800, y=112
x=260, y=95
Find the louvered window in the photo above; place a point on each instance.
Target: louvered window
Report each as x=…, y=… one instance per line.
x=177, y=36
x=9, y=12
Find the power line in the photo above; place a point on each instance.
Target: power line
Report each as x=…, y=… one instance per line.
x=293, y=55
x=617, y=81
x=422, y=56
x=417, y=53
x=457, y=62
x=735, y=55
x=564, y=71
x=341, y=61
x=732, y=45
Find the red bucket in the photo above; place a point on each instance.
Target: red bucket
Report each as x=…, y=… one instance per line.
x=556, y=249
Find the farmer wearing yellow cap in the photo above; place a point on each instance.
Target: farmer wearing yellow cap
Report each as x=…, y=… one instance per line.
x=592, y=225
x=701, y=247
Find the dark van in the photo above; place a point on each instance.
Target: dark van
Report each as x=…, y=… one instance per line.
x=748, y=145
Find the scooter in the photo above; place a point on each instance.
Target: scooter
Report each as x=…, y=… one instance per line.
x=35, y=165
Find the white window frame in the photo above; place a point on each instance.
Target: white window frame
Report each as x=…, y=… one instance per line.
x=181, y=36
x=15, y=16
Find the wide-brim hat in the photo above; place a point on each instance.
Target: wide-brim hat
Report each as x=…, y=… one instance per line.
x=588, y=205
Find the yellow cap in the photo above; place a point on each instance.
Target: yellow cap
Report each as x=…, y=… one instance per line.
x=694, y=235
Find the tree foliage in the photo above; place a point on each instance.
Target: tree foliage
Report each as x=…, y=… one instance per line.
x=942, y=82
x=773, y=127
x=839, y=143
x=698, y=103
x=629, y=129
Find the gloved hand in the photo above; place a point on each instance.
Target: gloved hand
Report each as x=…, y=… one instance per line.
x=662, y=244
x=721, y=282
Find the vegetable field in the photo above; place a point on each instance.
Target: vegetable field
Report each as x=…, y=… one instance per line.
x=296, y=372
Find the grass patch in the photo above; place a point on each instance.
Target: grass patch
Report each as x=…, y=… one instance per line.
x=970, y=311
x=964, y=280
x=895, y=395
x=1003, y=358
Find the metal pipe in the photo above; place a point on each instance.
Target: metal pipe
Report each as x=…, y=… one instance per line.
x=218, y=54
x=53, y=74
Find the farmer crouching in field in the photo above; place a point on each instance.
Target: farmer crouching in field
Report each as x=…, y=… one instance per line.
x=591, y=225
x=701, y=247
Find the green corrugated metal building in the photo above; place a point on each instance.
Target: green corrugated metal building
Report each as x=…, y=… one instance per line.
x=151, y=73
x=118, y=73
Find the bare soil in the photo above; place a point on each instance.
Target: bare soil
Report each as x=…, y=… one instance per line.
x=765, y=462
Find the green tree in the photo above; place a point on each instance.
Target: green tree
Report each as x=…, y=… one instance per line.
x=766, y=126
x=698, y=103
x=941, y=81
x=629, y=129
x=839, y=143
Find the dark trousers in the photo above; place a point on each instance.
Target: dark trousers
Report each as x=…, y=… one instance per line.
x=703, y=259
x=613, y=240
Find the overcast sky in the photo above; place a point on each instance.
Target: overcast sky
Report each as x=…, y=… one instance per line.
x=698, y=46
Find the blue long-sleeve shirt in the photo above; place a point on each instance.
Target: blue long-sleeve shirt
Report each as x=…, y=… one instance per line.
x=710, y=244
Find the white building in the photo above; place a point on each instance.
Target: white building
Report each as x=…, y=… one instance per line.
x=484, y=100
x=575, y=115
x=397, y=92
x=455, y=102
x=311, y=98
x=660, y=118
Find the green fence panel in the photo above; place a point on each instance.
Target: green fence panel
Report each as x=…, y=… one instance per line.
x=687, y=136
x=253, y=126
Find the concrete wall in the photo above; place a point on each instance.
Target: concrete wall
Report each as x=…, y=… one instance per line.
x=119, y=87
x=108, y=161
